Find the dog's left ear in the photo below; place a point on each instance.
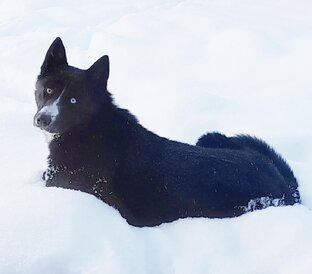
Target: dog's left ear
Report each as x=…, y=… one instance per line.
x=55, y=58
x=98, y=73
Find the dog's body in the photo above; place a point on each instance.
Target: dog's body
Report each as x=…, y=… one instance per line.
x=101, y=149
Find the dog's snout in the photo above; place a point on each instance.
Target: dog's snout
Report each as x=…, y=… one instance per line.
x=42, y=120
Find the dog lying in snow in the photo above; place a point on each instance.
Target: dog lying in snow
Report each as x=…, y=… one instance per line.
x=101, y=149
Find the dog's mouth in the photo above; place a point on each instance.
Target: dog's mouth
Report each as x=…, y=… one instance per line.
x=46, y=116
x=48, y=131
x=45, y=123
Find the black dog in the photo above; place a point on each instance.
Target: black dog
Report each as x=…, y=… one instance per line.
x=101, y=149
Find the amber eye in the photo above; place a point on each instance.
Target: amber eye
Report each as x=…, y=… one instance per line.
x=49, y=90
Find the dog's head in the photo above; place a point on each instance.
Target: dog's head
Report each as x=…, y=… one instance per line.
x=68, y=97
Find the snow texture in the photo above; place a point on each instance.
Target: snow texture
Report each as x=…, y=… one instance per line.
x=183, y=68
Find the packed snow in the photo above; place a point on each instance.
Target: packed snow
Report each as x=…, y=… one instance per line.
x=183, y=68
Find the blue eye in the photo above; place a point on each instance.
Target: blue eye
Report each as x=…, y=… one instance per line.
x=49, y=90
x=73, y=100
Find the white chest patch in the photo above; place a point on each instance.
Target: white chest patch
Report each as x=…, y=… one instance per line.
x=50, y=136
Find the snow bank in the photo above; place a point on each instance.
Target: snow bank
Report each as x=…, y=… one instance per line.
x=61, y=231
x=184, y=68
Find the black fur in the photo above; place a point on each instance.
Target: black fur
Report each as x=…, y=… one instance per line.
x=103, y=150
x=247, y=142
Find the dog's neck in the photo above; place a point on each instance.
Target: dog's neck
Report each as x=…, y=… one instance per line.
x=111, y=131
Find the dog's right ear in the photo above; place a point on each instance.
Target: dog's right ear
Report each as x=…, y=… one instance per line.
x=55, y=58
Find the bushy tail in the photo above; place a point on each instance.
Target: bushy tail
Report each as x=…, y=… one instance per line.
x=217, y=140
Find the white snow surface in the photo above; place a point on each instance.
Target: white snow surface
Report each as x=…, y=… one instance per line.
x=183, y=68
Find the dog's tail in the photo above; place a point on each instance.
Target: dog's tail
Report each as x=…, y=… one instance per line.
x=217, y=140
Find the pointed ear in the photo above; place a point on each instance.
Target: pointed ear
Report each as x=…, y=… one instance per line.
x=55, y=58
x=98, y=73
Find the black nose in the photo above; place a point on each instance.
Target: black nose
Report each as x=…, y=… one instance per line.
x=42, y=120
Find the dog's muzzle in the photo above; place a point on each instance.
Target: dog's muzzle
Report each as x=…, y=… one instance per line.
x=42, y=120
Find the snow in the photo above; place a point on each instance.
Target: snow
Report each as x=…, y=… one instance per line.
x=183, y=68
x=62, y=231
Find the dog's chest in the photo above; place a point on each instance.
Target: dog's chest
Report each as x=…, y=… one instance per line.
x=78, y=166
x=82, y=178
